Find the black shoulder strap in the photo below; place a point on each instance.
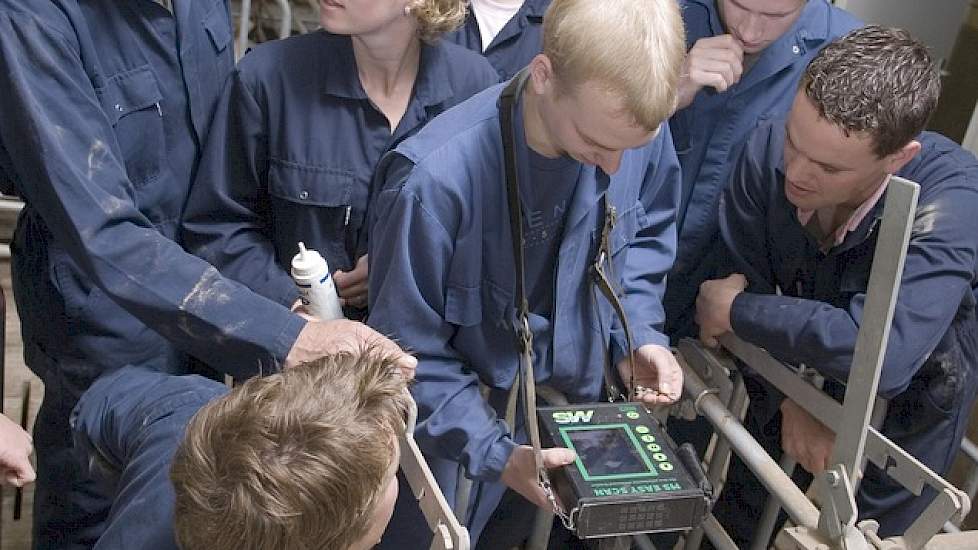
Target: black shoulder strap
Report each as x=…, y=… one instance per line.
x=507, y=102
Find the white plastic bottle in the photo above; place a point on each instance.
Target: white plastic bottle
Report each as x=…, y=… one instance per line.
x=316, y=288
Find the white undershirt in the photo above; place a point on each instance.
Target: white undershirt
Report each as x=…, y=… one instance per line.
x=492, y=16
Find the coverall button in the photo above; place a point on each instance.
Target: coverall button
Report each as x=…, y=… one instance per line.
x=304, y=195
x=795, y=49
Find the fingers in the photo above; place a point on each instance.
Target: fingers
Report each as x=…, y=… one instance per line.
x=352, y=285
x=715, y=74
x=658, y=378
x=407, y=363
x=738, y=279
x=354, y=295
x=717, y=62
x=354, y=290
x=16, y=447
x=805, y=439
x=557, y=457
x=319, y=338
x=20, y=474
x=708, y=339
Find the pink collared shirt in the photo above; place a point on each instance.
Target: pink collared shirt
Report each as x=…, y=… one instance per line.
x=805, y=216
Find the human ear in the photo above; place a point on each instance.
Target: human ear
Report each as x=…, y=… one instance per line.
x=899, y=159
x=541, y=74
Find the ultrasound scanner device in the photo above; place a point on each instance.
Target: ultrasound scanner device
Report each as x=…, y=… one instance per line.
x=628, y=477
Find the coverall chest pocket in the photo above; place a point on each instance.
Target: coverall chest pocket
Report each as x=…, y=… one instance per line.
x=312, y=204
x=218, y=27
x=469, y=306
x=132, y=100
x=215, y=65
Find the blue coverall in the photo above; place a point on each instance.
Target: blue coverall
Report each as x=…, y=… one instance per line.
x=126, y=428
x=105, y=105
x=710, y=131
x=517, y=42
x=929, y=371
x=292, y=152
x=442, y=282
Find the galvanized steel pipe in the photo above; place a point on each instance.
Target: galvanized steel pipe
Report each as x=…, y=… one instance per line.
x=796, y=504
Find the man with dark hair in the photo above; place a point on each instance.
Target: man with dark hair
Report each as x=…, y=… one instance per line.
x=800, y=216
x=745, y=59
x=300, y=459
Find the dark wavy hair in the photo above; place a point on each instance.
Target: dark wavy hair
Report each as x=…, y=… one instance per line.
x=878, y=80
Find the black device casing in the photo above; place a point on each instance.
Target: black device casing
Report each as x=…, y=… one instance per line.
x=667, y=500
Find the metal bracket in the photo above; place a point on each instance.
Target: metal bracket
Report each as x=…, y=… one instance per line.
x=838, y=519
x=449, y=533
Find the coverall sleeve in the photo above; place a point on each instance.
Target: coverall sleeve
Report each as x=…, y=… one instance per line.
x=743, y=228
x=411, y=253
x=651, y=250
x=940, y=263
x=227, y=220
x=71, y=172
x=126, y=429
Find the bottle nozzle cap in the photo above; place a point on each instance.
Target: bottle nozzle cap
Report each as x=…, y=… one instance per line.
x=302, y=251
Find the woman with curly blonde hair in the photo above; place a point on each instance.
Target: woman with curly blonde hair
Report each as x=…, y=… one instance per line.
x=301, y=126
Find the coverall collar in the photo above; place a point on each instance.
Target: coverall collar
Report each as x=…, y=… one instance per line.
x=432, y=85
x=809, y=30
x=531, y=9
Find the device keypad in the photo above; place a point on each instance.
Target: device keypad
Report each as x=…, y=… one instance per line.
x=642, y=516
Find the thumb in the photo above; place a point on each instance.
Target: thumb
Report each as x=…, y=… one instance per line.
x=557, y=457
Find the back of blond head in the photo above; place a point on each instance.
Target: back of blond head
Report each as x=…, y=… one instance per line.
x=296, y=460
x=634, y=48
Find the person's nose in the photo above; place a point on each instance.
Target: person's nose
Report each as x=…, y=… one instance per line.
x=751, y=28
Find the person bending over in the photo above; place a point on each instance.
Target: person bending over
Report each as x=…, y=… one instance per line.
x=303, y=459
x=802, y=214
x=594, y=158
x=744, y=63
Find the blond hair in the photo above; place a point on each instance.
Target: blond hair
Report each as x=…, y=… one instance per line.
x=436, y=17
x=634, y=48
x=296, y=460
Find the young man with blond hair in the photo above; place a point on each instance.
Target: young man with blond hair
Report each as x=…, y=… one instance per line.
x=589, y=138
x=801, y=216
x=303, y=459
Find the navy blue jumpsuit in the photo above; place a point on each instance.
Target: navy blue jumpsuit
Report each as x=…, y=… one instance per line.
x=105, y=106
x=292, y=152
x=517, y=42
x=929, y=371
x=442, y=282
